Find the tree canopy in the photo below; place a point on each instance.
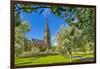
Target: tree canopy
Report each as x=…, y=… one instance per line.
x=80, y=21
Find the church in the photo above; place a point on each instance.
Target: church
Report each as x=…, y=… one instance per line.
x=46, y=42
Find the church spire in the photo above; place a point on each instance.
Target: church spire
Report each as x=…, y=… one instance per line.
x=46, y=27
x=47, y=35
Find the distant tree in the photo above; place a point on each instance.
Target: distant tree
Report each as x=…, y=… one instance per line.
x=27, y=44
x=35, y=51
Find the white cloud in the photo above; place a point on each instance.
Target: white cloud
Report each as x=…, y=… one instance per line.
x=53, y=41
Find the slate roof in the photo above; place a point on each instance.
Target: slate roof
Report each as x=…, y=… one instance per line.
x=39, y=42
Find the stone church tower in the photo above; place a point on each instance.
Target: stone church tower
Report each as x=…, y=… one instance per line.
x=46, y=43
x=47, y=40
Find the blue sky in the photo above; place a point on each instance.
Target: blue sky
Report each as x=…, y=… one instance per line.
x=37, y=22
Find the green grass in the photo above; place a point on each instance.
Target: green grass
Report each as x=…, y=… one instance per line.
x=50, y=59
x=40, y=60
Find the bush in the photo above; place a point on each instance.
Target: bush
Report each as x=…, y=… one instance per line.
x=25, y=54
x=48, y=52
x=35, y=51
x=90, y=47
x=18, y=50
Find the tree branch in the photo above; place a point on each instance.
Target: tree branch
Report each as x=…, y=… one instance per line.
x=31, y=8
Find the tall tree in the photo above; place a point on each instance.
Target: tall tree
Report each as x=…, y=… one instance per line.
x=68, y=40
x=20, y=36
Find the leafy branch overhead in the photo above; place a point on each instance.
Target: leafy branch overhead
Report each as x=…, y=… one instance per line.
x=63, y=12
x=69, y=14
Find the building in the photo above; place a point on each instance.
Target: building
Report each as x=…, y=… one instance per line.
x=46, y=43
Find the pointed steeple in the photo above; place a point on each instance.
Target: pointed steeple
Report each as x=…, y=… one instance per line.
x=46, y=26
x=47, y=35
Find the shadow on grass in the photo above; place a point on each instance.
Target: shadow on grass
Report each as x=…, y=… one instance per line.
x=84, y=60
x=87, y=59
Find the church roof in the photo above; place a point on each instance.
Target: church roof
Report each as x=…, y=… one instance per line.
x=37, y=41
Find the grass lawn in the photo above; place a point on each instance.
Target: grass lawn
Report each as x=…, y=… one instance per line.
x=50, y=59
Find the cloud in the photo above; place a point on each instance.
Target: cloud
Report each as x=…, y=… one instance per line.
x=53, y=41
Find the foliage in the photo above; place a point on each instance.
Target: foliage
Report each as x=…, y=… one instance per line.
x=28, y=44
x=20, y=37
x=69, y=39
x=35, y=50
x=90, y=46
x=85, y=18
x=53, y=48
x=25, y=54
x=86, y=22
x=18, y=50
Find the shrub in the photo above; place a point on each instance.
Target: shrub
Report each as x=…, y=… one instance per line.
x=25, y=54
x=48, y=52
x=35, y=51
x=18, y=50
